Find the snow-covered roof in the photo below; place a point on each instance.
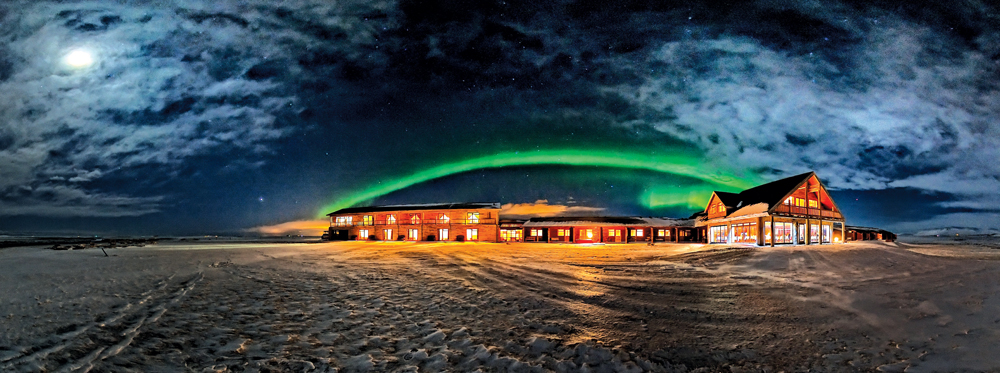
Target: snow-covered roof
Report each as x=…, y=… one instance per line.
x=607, y=221
x=423, y=206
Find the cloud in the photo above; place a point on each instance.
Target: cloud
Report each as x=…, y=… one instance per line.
x=542, y=208
x=67, y=201
x=166, y=85
x=895, y=114
x=967, y=221
x=300, y=227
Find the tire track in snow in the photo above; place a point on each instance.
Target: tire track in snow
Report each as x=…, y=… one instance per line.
x=133, y=315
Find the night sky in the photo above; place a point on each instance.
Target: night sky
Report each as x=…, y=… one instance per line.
x=198, y=117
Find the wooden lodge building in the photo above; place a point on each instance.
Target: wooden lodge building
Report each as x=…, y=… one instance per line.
x=794, y=210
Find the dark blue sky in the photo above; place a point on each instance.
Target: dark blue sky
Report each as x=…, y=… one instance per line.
x=211, y=117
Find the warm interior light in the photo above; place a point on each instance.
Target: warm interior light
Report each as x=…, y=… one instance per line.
x=79, y=58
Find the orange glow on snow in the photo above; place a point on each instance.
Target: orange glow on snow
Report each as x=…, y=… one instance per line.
x=300, y=227
x=542, y=208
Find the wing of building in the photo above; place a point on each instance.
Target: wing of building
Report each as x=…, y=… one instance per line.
x=793, y=210
x=472, y=221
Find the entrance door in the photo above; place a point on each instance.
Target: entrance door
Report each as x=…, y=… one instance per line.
x=442, y=234
x=387, y=235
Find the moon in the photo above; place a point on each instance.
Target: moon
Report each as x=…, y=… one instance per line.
x=79, y=59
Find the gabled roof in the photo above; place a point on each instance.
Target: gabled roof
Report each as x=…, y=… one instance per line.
x=428, y=206
x=772, y=193
x=731, y=200
x=761, y=198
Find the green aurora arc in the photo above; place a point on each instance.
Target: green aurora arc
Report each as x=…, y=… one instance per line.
x=671, y=164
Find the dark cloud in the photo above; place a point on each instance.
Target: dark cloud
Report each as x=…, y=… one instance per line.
x=871, y=94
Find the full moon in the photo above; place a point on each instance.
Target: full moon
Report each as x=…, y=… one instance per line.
x=79, y=58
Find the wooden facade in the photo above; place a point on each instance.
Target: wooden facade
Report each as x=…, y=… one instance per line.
x=794, y=210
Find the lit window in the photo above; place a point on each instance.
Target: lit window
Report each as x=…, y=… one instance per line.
x=344, y=220
x=790, y=200
x=473, y=218
x=590, y=233
x=390, y=219
x=472, y=234
x=443, y=218
x=722, y=208
x=442, y=234
x=813, y=203
x=363, y=234
x=387, y=234
x=415, y=219
x=638, y=232
x=369, y=219
x=536, y=233
x=613, y=233
x=415, y=234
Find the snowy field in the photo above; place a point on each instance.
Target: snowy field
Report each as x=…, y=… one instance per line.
x=406, y=307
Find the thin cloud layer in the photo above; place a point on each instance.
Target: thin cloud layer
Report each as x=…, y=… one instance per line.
x=542, y=208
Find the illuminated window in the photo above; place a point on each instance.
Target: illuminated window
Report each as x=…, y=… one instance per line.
x=613, y=233
x=813, y=203
x=344, y=220
x=390, y=219
x=790, y=200
x=745, y=232
x=442, y=234
x=473, y=218
x=587, y=233
x=363, y=234
x=414, y=234
x=536, y=233
x=718, y=234
x=637, y=233
x=663, y=233
x=472, y=234
x=387, y=234
x=443, y=218
x=800, y=202
x=369, y=219
x=415, y=219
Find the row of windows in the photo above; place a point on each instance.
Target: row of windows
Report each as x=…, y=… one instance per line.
x=470, y=218
x=801, y=202
x=536, y=232
x=414, y=234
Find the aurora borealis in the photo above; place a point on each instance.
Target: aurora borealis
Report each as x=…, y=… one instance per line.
x=192, y=117
x=676, y=165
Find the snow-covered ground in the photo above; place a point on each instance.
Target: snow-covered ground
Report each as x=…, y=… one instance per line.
x=389, y=306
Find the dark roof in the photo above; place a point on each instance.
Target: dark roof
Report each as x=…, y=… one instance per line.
x=591, y=219
x=866, y=229
x=728, y=199
x=771, y=193
x=428, y=206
